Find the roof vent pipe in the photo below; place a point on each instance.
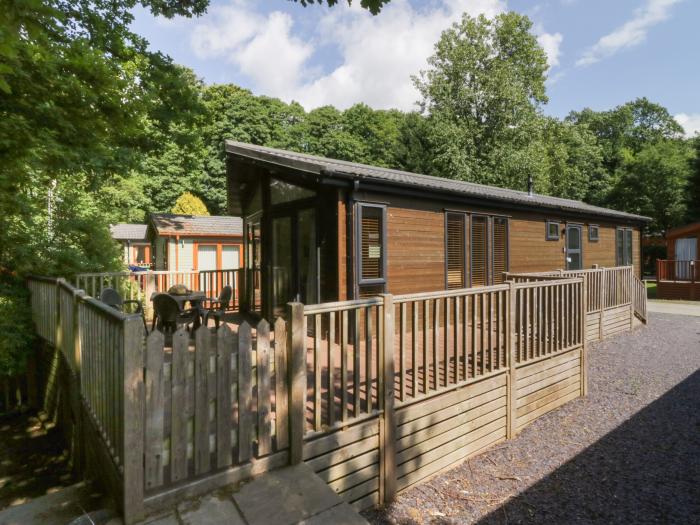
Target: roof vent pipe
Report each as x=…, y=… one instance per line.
x=529, y=185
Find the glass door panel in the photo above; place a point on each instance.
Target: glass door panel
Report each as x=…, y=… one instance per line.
x=253, y=264
x=574, y=260
x=308, y=257
x=282, y=259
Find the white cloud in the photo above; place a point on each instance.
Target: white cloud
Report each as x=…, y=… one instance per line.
x=377, y=54
x=690, y=123
x=551, y=43
x=629, y=34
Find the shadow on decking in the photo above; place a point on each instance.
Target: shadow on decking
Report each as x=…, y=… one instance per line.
x=647, y=470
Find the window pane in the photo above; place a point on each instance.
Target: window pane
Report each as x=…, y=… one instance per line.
x=372, y=249
x=455, y=250
x=619, y=245
x=628, y=247
x=308, y=256
x=281, y=192
x=573, y=238
x=500, y=249
x=229, y=257
x=479, y=251
x=281, y=261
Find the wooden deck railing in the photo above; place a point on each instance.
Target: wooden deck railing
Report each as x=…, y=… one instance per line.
x=141, y=285
x=678, y=271
x=373, y=395
x=607, y=289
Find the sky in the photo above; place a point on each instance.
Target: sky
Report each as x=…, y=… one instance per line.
x=601, y=53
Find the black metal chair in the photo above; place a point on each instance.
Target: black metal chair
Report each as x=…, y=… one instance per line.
x=112, y=298
x=167, y=315
x=218, y=306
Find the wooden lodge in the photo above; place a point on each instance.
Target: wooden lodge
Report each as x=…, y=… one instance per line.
x=136, y=247
x=678, y=277
x=321, y=230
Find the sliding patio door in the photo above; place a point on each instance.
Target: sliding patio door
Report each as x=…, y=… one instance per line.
x=295, y=257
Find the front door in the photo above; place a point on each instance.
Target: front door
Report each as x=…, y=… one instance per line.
x=253, y=263
x=574, y=255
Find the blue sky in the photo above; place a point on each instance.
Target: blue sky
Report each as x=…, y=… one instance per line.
x=601, y=53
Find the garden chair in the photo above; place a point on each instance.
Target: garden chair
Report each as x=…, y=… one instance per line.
x=111, y=297
x=167, y=315
x=217, y=307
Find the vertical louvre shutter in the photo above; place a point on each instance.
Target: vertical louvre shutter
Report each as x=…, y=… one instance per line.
x=455, y=250
x=479, y=246
x=500, y=249
x=372, y=243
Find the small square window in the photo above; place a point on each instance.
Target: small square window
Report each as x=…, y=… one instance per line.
x=552, y=231
x=593, y=233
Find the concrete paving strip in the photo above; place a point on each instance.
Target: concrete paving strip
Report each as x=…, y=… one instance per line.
x=673, y=307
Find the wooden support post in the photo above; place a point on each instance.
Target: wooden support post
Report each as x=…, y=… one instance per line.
x=511, y=390
x=59, y=328
x=133, y=420
x=387, y=422
x=296, y=359
x=584, y=360
x=150, y=289
x=602, y=304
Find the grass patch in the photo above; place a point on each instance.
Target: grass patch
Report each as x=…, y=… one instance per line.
x=651, y=289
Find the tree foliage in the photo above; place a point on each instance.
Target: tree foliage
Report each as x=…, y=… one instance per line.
x=373, y=6
x=189, y=204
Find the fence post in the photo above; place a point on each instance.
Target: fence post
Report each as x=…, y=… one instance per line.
x=584, y=360
x=603, y=276
x=511, y=387
x=79, y=455
x=296, y=359
x=59, y=327
x=387, y=422
x=133, y=419
x=150, y=288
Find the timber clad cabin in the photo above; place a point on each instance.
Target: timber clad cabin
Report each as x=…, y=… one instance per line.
x=679, y=276
x=184, y=243
x=319, y=230
x=136, y=247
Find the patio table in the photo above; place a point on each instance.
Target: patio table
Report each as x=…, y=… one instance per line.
x=194, y=298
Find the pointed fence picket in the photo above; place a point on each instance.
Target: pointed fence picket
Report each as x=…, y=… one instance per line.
x=213, y=401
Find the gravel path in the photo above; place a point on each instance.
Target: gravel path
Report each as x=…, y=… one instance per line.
x=627, y=453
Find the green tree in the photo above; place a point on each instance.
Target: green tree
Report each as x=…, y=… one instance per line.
x=189, y=204
x=373, y=6
x=693, y=193
x=482, y=95
x=654, y=182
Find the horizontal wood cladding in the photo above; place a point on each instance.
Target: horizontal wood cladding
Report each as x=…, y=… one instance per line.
x=348, y=460
x=416, y=241
x=444, y=431
x=415, y=251
x=546, y=385
x=679, y=291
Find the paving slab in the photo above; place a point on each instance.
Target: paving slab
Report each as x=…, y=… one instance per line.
x=675, y=308
x=215, y=509
x=342, y=514
x=285, y=496
x=58, y=508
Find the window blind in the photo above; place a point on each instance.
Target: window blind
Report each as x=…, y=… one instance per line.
x=479, y=250
x=455, y=250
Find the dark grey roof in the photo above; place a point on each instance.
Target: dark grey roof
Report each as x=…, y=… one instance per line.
x=210, y=225
x=363, y=172
x=128, y=232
